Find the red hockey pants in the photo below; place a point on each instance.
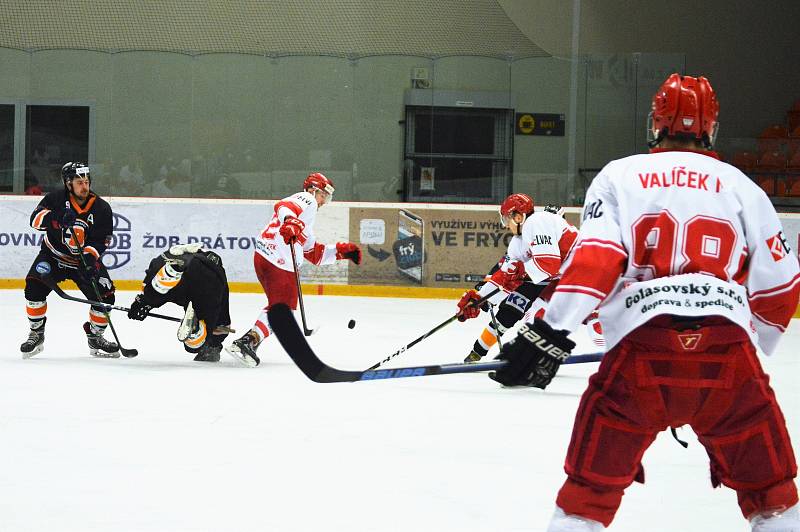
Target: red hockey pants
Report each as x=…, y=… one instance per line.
x=279, y=285
x=660, y=377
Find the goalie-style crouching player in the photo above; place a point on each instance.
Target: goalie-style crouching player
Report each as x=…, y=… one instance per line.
x=195, y=279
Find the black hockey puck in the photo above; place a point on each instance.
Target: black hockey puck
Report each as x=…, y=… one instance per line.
x=351, y=324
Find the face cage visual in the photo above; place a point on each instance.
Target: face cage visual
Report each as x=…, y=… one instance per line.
x=327, y=196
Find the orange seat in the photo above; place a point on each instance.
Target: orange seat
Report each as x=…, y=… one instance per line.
x=794, y=191
x=767, y=184
x=772, y=161
x=744, y=161
x=794, y=162
x=794, y=141
x=772, y=138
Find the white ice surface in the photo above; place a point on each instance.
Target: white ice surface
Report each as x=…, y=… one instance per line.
x=161, y=443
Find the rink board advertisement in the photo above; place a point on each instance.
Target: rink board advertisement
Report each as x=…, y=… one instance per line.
x=423, y=246
x=404, y=245
x=144, y=228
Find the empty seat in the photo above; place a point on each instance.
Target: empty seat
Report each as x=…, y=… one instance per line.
x=767, y=184
x=772, y=138
x=744, y=161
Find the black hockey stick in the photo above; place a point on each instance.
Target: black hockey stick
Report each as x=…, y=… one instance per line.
x=448, y=321
x=306, y=330
x=127, y=353
x=219, y=329
x=285, y=327
x=496, y=327
x=57, y=289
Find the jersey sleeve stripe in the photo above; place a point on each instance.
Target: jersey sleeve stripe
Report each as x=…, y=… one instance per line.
x=761, y=318
x=295, y=208
x=776, y=289
x=581, y=290
x=39, y=218
x=602, y=243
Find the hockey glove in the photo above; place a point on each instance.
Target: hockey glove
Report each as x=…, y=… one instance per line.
x=291, y=229
x=68, y=218
x=90, y=267
x=466, y=308
x=139, y=309
x=347, y=250
x=534, y=356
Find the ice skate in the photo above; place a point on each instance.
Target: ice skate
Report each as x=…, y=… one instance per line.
x=35, y=342
x=208, y=353
x=98, y=346
x=472, y=357
x=244, y=349
x=189, y=323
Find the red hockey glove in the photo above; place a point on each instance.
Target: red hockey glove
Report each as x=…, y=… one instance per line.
x=511, y=278
x=534, y=356
x=466, y=308
x=347, y=250
x=291, y=229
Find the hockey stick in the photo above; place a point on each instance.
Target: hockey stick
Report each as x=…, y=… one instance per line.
x=57, y=289
x=496, y=327
x=127, y=353
x=306, y=330
x=448, y=321
x=219, y=329
x=285, y=327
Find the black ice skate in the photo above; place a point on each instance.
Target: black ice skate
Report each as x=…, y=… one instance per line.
x=35, y=342
x=472, y=357
x=244, y=349
x=98, y=346
x=208, y=353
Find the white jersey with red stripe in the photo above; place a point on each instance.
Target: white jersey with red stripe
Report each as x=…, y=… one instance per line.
x=679, y=233
x=544, y=243
x=270, y=243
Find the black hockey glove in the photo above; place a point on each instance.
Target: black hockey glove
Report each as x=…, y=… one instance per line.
x=534, y=356
x=89, y=268
x=139, y=309
x=68, y=218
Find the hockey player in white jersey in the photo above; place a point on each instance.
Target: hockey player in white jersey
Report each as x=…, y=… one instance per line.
x=541, y=242
x=687, y=257
x=292, y=224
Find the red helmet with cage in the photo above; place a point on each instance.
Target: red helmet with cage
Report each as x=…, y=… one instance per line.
x=521, y=203
x=318, y=181
x=684, y=107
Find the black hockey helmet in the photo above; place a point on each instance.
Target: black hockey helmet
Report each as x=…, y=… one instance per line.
x=71, y=170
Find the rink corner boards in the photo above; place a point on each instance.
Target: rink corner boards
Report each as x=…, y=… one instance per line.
x=419, y=292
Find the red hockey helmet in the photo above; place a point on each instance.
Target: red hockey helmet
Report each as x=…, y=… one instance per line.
x=684, y=107
x=319, y=182
x=521, y=203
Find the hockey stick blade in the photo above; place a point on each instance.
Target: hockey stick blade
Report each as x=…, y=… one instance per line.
x=285, y=327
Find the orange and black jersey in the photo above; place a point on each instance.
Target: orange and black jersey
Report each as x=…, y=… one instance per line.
x=93, y=226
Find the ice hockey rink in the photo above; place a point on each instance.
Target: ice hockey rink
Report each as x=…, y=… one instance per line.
x=162, y=443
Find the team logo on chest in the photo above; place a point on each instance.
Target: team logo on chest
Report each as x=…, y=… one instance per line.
x=72, y=236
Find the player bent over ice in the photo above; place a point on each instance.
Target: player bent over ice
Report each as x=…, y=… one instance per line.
x=687, y=258
x=292, y=224
x=75, y=222
x=541, y=242
x=194, y=279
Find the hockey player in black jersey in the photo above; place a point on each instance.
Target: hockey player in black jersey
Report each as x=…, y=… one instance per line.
x=193, y=278
x=72, y=219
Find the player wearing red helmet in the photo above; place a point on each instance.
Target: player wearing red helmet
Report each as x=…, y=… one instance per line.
x=686, y=258
x=292, y=224
x=541, y=242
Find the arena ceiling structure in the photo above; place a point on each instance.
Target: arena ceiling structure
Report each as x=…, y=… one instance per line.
x=339, y=28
